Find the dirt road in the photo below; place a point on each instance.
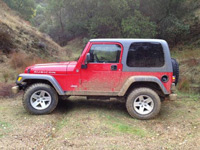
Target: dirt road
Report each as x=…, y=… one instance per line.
x=81, y=124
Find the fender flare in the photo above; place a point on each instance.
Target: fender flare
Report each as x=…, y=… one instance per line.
x=135, y=79
x=49, y=78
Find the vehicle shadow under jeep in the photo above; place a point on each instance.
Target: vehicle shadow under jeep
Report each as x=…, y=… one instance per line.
x=81, y=103
x=76, y=103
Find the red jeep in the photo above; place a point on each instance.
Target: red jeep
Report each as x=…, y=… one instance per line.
x=139, y=70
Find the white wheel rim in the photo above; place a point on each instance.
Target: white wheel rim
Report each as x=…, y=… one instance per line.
x=40, y=100
x=143, y=104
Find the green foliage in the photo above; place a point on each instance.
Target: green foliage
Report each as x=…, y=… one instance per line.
x=92, y=19
x=106, y=18
x=138, y=26
x=119, y=18
x=173, y=29
x=25, y=7
x=173, y=17
x=38, y=16
x=64, y=20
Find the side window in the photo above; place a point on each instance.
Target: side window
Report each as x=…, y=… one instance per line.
x=145, y=54
x=105, y=53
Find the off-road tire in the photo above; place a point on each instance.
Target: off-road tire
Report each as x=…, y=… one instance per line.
x=33, y=88
x=175, y=67
x=143, y=91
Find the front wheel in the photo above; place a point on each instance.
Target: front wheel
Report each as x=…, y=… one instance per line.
x=143, y=103
x=40, y=99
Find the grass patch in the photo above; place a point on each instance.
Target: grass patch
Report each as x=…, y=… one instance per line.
x=61, y=124
x=4, y=128
x=185, y=53
x=4, y=125
x=189, y=96
x=119, y=126
x=129, y=129
x=189, y=64
x=2, y=108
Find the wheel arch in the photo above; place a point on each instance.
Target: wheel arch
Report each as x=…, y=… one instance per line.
x=35, y=78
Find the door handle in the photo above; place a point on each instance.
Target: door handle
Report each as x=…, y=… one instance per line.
x=114, y=67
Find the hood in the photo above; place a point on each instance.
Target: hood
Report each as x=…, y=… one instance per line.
x=50, y=68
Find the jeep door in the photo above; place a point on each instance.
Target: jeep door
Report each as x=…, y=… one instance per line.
x=103, y=71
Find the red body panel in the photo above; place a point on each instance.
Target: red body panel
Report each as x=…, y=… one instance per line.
x=97, y=76
x=100, y=77
x=126, y=75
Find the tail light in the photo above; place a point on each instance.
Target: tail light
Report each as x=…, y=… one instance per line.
x=173, y=78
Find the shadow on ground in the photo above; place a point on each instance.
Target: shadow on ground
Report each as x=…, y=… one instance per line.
x=65, y=106
x=76, y=104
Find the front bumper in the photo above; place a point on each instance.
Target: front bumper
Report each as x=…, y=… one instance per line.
x=19, y=85
x=15, y=89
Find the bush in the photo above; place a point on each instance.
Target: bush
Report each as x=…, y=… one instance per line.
x=5, y=90
x=25, y=7
x=173, y=29
x=184, y=85
x=5, y=76
x=6, y=44
x=138, y=26
x=20, y=61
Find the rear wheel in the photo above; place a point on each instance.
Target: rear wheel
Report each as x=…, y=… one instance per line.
x=40, y=99
x=143, y=103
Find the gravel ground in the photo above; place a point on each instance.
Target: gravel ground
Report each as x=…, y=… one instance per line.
x=90, y=124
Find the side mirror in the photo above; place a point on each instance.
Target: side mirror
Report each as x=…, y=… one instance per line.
x=87, y=60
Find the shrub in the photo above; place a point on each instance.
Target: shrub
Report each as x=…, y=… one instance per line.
x=6, y=44
x=184, y=85
x=5, y=90
x=5, y=76
x=20, y=61
x=25, y=7
x=138, y=26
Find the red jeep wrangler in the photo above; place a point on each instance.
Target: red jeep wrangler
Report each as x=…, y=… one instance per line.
x=139, y=70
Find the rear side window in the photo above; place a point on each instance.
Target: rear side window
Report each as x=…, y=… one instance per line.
x=105, y=53
x=145, y=54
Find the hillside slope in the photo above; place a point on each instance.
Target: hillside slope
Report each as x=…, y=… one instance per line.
x=22, y=45
x=188, y=56
x=23, y=37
